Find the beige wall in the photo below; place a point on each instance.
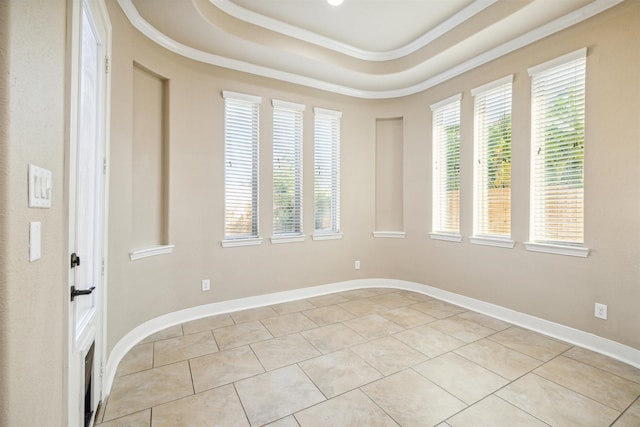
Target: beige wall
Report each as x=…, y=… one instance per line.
x=557, y=288
x=33, y=296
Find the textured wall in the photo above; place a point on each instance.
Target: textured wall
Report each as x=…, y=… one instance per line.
x=557, y=288
x=33, y=307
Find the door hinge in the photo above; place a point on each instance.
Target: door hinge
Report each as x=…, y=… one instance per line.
x=107, y=65
x=104, y=165
x=102, y=267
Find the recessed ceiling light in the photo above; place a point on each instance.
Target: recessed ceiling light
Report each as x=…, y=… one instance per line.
x=335, y=2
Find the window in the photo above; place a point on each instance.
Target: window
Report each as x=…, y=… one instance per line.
x=492, y=164
x=327, y=173
x=241, y=135
x=446, y=169
x=557, y=180
x=287, y=168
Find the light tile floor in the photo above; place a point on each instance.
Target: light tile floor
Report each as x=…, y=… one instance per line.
x=367, y=357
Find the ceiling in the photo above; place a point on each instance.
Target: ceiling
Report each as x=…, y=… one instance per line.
x=372, y=49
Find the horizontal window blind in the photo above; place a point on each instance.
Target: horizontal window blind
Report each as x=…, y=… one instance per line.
x=327, y=171
x=287, y=168
x=558, y=109
x=492, y=186
x=446, y=166
x=241, y=135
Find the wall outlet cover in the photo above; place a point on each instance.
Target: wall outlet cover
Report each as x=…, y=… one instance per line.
x=600, y=311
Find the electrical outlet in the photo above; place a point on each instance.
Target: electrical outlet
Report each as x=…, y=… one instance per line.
x=601, y=311
x=206, y=285
x=357, y=265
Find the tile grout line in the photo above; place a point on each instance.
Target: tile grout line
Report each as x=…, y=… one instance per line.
x=576, y=391
x=349, y=348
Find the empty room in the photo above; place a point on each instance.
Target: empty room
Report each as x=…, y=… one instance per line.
x=297, y=213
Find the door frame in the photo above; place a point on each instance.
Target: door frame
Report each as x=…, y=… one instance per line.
x=98, y=10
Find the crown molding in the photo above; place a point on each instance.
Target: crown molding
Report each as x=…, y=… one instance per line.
x=243, y=14
x=539, y=33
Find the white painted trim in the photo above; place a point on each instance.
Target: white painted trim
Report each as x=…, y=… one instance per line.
x=286, y=105
x=492, y=241
x=287, y=239
x=326, y=236
x=576, y=54
x=324, y=112
x=492, y=85
x=390, y=234
x=254, y=99
x=573, y=336
x=236, y=243
x=197, y=55
x=578, y=251
x=450, y=100
x=140, y=253
x=280, y=27
x=448, y=237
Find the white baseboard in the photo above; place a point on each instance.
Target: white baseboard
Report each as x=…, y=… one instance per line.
x=577, y=337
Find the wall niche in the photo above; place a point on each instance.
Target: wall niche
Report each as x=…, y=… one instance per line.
x=149, y=161
x=389, y=177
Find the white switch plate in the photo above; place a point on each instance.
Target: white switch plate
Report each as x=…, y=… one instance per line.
x=35, y=228
x=357, y=265
x=206, y=285
x=40, y=187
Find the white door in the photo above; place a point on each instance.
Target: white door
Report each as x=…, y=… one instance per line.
x=87, y=157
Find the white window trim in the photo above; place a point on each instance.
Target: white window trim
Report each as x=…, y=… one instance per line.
x=235, y=243
x=439, y=234
x=557, y=248
x=229, y=242
x=571, y=56
x=254, y=99
x=325, y=112
x=287, y=239
x=140, y=253
x=390, y=234
x=326, y=236
x=485, y=239
x=455, y=98
x=498, y=242
x=492, y=85
x=321, y=234
x=577, y=251
x=298, y=108
x=286, y=105
x=447, y=237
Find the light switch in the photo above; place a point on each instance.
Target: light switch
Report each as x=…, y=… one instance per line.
x=40, y=181
x=35, y=228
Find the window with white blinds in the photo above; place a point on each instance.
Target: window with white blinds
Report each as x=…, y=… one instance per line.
x=327, y=171
x=558, y=110
x=446, y=169
x=287, y=168
x=492, y=165
x=241, y=136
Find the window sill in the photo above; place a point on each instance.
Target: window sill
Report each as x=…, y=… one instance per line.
x=577, y=251
x=390, y=234
x=235, y=243
x=492, y=241
x=448, y=237
x=326, y=236
x=137, y=254
x=292, y=238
